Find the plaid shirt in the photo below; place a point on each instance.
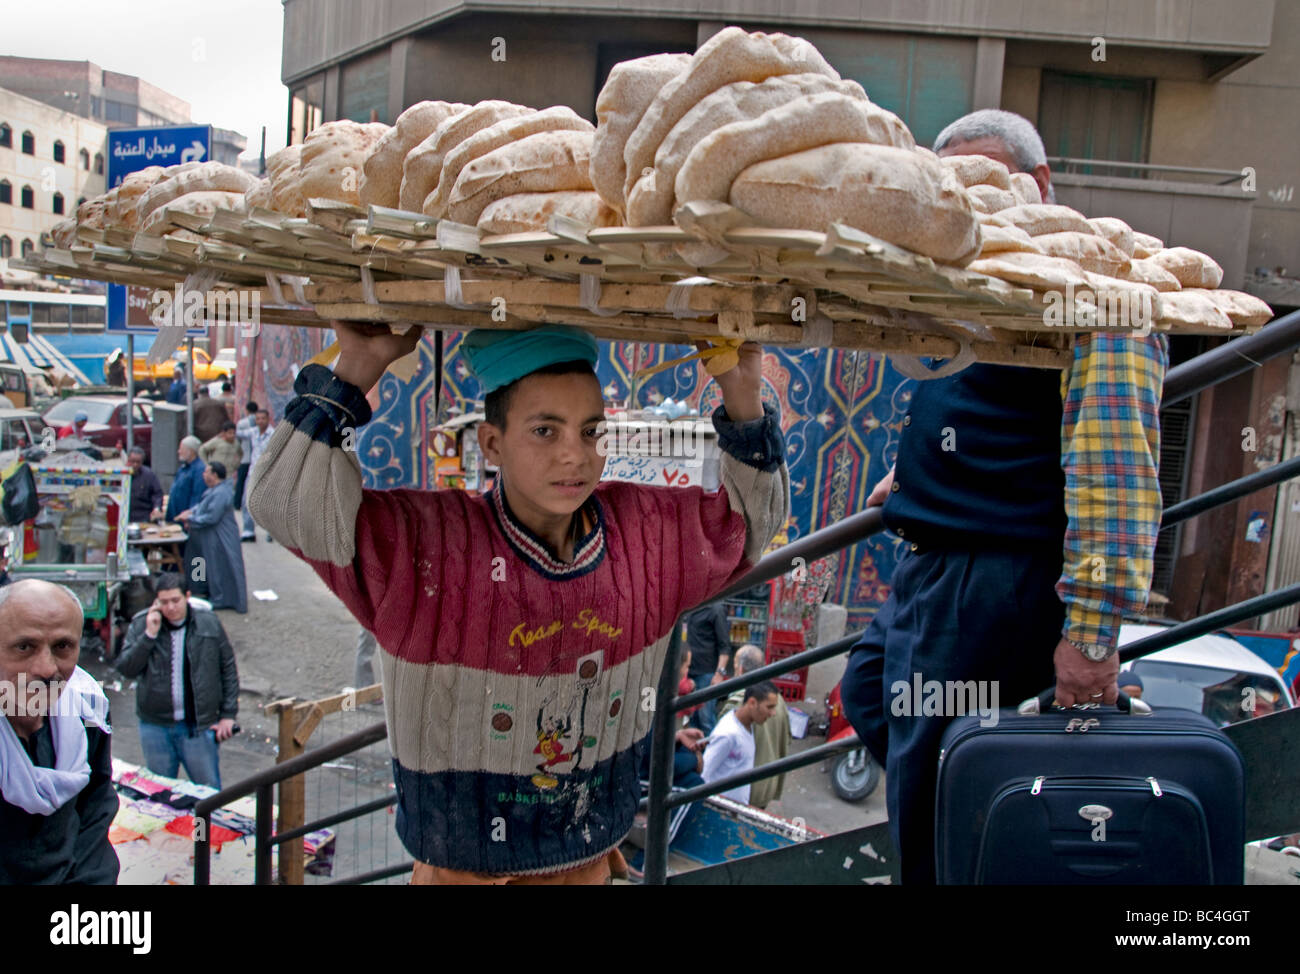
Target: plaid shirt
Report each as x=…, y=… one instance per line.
x=1110, y=450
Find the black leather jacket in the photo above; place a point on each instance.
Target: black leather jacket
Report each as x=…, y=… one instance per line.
x=213, y=676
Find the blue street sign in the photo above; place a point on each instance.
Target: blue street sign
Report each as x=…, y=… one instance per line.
x=130, y=150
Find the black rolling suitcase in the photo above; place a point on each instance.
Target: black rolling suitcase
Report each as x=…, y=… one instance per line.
x=1089, y=797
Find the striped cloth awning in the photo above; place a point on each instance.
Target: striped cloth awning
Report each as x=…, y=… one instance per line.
x=39, y=352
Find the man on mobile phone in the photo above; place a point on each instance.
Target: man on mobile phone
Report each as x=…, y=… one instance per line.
x=188, y=694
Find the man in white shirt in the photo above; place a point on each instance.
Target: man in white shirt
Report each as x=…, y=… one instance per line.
x=730, y=749
x=255, y=437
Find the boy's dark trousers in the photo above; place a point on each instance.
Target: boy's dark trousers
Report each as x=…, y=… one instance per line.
x=990, y=616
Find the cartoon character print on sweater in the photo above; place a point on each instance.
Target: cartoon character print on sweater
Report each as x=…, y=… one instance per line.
x=555, y=724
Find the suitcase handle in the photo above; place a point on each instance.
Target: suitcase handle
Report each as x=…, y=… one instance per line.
x=1043, y=702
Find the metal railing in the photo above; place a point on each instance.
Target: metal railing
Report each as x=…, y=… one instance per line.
x=1237, y=356
x=1180, y=382
x=262, y=785
x=1071, y=164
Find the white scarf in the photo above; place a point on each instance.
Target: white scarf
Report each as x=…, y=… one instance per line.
x=43, y=791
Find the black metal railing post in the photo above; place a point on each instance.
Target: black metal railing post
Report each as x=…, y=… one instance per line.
x=265, y=823
x=663, y=734
x=1230, y=359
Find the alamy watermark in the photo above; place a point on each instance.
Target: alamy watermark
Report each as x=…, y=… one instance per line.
x=36, y=698
x=945, y=698
x=191, y=308
x=653, y=440
x=1085, y=307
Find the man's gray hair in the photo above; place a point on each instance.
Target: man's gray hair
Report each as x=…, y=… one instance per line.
x=1016, y=132
x=19, y=586
x=134, y=450
x=748, y=658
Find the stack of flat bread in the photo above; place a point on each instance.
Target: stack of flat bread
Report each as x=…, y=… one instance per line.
x=1052, y=247
x=504, y=167
x=764, y=123
x=145, y=200
x=327, y=165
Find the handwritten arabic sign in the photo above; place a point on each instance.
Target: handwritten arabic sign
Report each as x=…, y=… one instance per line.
x=659, y=471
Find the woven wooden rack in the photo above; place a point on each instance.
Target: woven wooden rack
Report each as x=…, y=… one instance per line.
x=842, y=288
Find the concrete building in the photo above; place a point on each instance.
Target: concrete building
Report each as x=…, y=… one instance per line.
x=1179, y=116
x=50, y=160
x=112, y=99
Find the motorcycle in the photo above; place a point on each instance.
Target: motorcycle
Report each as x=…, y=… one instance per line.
x=855, y=774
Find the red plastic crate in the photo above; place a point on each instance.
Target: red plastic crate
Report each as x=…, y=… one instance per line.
x=782, y=644
x=792, y=691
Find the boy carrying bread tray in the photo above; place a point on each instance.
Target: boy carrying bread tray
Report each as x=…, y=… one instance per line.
x=521, y=629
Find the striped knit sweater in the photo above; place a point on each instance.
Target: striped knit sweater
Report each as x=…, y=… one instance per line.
x=518, y=689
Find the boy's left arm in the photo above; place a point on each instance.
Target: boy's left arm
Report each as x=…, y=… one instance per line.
x=754, y=472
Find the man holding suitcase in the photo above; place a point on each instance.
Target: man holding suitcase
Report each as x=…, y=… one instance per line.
x=1030, y=504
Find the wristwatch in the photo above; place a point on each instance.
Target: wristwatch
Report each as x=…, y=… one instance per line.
x=1097, y=652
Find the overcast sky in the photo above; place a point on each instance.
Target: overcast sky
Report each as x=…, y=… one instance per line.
x=222, y=56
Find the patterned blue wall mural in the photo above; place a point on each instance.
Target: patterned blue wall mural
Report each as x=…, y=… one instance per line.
x=841, y=412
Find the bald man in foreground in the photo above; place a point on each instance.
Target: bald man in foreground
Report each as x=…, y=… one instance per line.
x=56, y=791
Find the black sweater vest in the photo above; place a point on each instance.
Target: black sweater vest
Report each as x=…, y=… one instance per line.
x=979, y=461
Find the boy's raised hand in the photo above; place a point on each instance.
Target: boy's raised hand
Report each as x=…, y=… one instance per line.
x=366, y=350
x=742, y=386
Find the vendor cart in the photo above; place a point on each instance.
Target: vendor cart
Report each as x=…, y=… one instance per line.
x=78, y=538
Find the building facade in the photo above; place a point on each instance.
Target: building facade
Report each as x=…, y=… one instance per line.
x=1178, y=116
x=50, y=160
x=114, y=100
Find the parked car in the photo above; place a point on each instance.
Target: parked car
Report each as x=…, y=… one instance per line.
x=19, y=429
x=160, y=375
x=105, y=420
x=226, y=361
x=1214, y=675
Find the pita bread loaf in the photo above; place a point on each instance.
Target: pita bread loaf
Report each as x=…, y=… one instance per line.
x=1145, y=245
x=1244, y=309
x=995, y=239
x=423, y=164
x=805, y=123
x=202, y=203
x=208, y=177
x=64, y=233
x=1040, y=218
x=1034, y=270
x=1191, y=267
x=978, y=170
x=627, y=92
x=543, y=163
x=122, y=211
x=898, y=195
x=531, y=211
x=1143, y=271
x=1025, y=188
x=989, y=199
x=1089, y=251
x=1192, y=309
x=730, y=55
x=91, y=213
x=650, y=203
x=277, y=163
x=381, y=173
x=1116, y=231
x=558, y=118
x=332, y=159
x=259, y=195
x=286, y=192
